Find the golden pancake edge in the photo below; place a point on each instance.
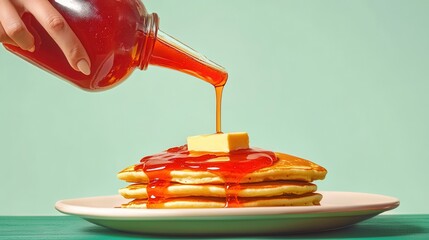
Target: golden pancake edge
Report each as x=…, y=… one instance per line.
x=287, y=167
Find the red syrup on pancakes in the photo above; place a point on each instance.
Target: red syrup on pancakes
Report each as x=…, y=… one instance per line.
x=232, y=167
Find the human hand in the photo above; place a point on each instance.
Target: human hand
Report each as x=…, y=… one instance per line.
x=13, y=30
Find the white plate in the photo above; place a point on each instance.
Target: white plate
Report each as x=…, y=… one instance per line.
x=337, y=210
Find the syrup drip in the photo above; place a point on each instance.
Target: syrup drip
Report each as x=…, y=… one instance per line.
x=219, y=91
x=231, y=167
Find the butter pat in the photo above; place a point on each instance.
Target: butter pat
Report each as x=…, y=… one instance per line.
x=219, y=142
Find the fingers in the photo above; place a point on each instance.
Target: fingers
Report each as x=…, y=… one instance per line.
x=12, y=29
x=60, y=31
x=4, y=38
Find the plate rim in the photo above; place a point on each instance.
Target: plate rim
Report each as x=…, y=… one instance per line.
x=66, y=206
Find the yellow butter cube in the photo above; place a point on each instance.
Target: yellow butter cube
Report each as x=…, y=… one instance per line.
x=219, y=142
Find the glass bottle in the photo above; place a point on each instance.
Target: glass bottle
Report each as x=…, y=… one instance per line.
x=119, y=37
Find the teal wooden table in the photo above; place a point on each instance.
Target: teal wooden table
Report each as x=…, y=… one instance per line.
x=66, y=227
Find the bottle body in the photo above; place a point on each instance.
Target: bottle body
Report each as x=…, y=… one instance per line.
x=117, y=35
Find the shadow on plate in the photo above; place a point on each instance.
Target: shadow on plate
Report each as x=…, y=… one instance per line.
x=382, y=226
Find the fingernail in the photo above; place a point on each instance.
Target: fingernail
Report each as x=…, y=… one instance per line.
x=83, y=66
x=32, y=49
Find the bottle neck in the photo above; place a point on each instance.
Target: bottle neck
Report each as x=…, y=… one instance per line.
x=147, y=39
x=158, y=48
x=170, y=53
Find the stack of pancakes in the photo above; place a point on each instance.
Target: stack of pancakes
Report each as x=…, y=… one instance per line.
x=285, y=183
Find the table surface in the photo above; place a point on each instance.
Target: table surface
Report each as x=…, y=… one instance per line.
x=66, y=227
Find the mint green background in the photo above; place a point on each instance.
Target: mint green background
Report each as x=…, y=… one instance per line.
x=342, y=83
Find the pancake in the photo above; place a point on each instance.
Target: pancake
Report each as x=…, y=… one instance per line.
x=261, y=189
x=284, y=181
x=287, y=167
x=206, y=202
